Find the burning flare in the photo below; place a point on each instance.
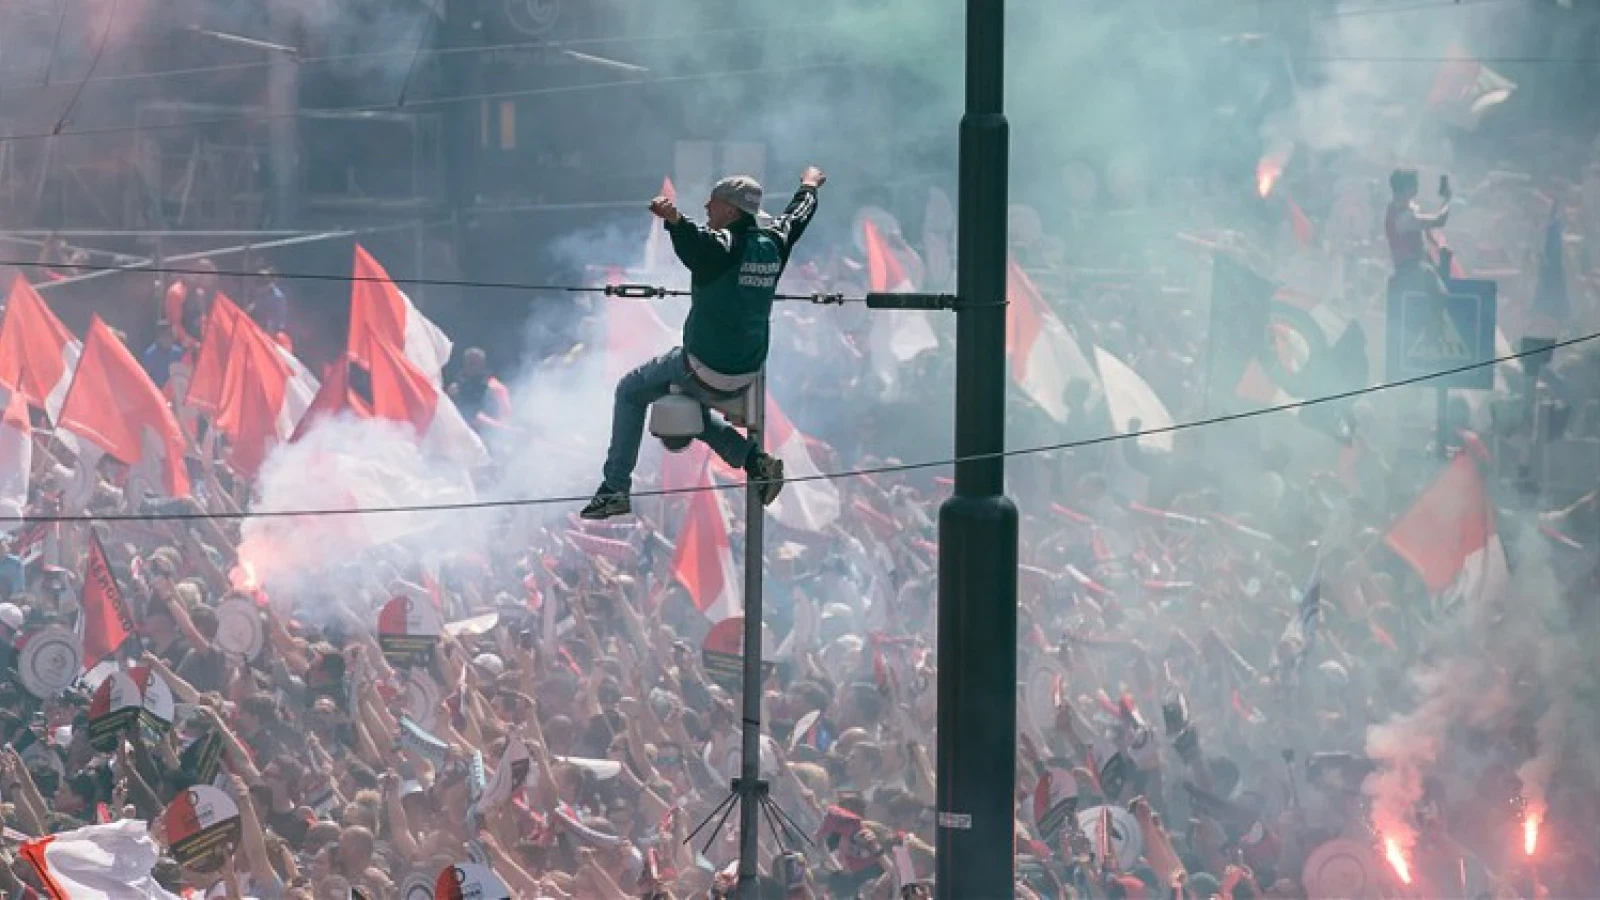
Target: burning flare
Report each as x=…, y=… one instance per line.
x=1271, y=167
x=1397, y=859
x=244, y=577
x=1266, y=177
x=1530, y=832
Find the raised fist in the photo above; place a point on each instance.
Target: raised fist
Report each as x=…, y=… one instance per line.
x=665, y=209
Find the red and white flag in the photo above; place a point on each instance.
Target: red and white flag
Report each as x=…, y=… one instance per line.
x=1449, y=535
x=1465, y=89
x=900, y=336
x=1045, y=358
x=16, y=461
x=115, y=408
x=107, y=622
x=703, y=560
x=38, y=355
x=803, y=505
x=402, y=393
x=382, y=313
x=98, y=862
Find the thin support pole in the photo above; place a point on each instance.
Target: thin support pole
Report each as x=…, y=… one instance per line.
x=1441, y=409
x=749, y=787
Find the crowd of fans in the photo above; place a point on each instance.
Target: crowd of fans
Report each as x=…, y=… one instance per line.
x=1190, y=725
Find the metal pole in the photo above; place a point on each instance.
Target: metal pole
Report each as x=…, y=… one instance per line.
x=1441, y=410
x=219, y=252
x=977, y=662
x=749, y=787
x=419, y=249
x=283, y=129
x=158, y=259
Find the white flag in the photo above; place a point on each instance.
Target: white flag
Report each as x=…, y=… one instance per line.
x=100, y=862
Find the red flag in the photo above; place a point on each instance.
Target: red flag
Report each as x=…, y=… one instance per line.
x=107, y=623
x=1304, y=231
x=252, y=409
x=703, y=561
x=115, y=406
x=209, y=381
x=333, y=397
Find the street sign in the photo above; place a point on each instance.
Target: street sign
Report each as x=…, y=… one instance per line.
x=1429, y=333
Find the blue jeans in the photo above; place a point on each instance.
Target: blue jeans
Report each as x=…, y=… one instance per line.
x=644, y=386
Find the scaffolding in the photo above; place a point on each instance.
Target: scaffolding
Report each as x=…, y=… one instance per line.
x=210, y=165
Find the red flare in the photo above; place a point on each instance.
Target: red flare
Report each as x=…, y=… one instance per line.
x=1397, y=860
x=1270, y=168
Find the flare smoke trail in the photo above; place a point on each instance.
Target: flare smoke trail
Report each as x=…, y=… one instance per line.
x=1455, y=693
x=1523, y=661
x=345, y=463
x=1548, y=637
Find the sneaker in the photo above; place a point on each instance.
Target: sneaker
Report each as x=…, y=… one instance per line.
x=768, y=470
x=607, y=503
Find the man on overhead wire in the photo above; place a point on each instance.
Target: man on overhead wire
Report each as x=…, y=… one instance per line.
x=734, y=262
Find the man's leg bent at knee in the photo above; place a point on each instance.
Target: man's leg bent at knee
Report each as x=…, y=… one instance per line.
x=635, y=392
x=738, y=451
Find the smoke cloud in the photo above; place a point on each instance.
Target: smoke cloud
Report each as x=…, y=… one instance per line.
x=351, y=464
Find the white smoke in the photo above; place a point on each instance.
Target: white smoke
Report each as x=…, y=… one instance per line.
x=1519, y=660
x=561, y=423
x=1546, y=638
x=342, y=464
x=551, y=445
x=1458, y=692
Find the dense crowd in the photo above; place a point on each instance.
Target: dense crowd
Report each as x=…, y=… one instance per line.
x=1211, y=630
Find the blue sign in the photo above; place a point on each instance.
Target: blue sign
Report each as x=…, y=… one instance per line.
x=1452, y=333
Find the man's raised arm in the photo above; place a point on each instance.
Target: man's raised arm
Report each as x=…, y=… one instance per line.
x=792, y=223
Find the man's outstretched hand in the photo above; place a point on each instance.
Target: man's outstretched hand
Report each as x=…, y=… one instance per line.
x=814, y=177
x=664, y=208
